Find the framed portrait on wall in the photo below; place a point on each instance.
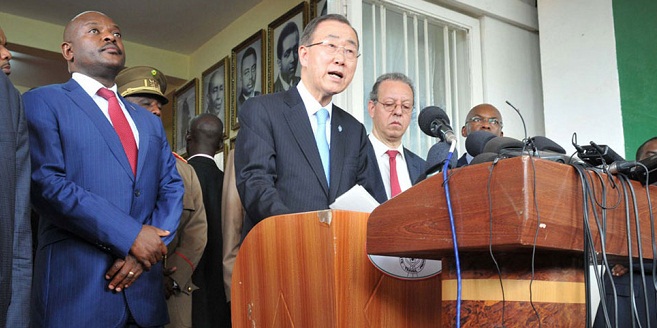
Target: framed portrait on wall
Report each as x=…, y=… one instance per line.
x=215, y=94
x=248, y=73
x=185, y=101
x=318, y=7
x=283, y=35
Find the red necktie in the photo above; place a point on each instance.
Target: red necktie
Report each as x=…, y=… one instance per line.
x=395, y=189
x=121, y=126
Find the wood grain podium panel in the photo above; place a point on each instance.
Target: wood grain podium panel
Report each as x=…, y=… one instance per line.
x=311, y=270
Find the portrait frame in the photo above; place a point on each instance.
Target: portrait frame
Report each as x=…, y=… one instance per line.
x=299, y=16
x=316, y=7
x=256, y=42
x=221, y=70
x=186, y=94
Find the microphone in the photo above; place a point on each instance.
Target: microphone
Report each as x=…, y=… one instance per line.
x=434, y=122
x=436, y=158
x=623, y=167
x=484, y=157
x=476, y=141
x=543, y=143
x=524, y=126
x=497, y=144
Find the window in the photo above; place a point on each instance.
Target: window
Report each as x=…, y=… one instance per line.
x=437, y=48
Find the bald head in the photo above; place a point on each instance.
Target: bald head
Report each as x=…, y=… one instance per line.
x=206, y=135
x=93, y=46
x=483, y=117
x=5, y=55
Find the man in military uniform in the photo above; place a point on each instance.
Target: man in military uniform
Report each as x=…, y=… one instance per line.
x=146, y=86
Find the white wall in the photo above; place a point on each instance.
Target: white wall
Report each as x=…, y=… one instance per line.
x=580, y=77
x=512, y=71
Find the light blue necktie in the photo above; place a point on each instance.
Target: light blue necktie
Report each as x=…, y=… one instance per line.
x=320, y=137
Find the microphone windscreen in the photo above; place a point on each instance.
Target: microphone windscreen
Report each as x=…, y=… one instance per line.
x=483, y=158
x=543, y=143
x=435, y=160
x=496, y=144
x=438, y=154
x=476, y=141
x=428, y=115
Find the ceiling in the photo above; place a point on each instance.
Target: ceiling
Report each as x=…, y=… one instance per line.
x=175, y=25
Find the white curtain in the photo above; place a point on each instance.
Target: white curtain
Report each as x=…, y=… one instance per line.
x=429, y=51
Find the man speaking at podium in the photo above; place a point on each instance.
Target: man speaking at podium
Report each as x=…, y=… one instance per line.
x=297, y=151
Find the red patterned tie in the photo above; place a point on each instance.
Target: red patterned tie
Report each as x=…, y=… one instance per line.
x=121, y=126
x=395, y=189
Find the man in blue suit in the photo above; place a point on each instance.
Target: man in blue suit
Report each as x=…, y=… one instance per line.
x=390, y=107
x=107, y=208
x=15, y=230
x=280, y=167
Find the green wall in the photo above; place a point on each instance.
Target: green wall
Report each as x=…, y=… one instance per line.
x=636, y=50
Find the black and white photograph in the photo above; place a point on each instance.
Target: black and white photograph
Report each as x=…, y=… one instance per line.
x=214, y=91
x=318, y=7
x=185, y=101
x=284, y=34
x=249, y=72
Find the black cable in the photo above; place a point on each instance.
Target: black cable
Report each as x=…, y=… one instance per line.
x=629, y=258
x=538, y=224
x=639, y=243
x=602, y=229
x=589, y=245
x=490, y=236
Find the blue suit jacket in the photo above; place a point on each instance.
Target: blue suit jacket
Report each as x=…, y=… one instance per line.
x=277, y=165
x=92, y=207
x=15, y=229
x=414, y=163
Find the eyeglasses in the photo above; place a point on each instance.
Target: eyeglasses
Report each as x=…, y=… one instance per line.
x=390, y=106
x=349, y=51
x=480, y=120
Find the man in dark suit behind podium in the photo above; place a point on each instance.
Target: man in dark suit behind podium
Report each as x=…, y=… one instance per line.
x=483, y=117
x=278, y=162
x=390, y=107
x=204, y=139
x=105, y=186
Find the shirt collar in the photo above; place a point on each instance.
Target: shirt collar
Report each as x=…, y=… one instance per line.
x=89, y=85
x=380, y=148
x=312, y=105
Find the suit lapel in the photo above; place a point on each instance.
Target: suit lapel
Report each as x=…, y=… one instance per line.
x=82, y=100
x=338, y=142
x=297, y=120
x=414, y=167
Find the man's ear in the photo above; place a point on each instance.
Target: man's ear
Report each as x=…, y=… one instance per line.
x=67, y=52
x=303, y=55
x=464, y=132
x=370, y=108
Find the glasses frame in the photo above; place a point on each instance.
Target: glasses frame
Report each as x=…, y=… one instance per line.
x=332, y=50
x=396, y=104
x=491, y=120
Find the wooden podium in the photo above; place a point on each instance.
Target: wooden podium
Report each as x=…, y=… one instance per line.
x=311, y=270
x=416, y=224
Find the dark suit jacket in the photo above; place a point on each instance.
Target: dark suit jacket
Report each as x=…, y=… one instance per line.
x=278, y=85
x=414, y=163
x=463, y=161
x=15, y=229
x=277, y=164
x=209, y=307
x=92, y=207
